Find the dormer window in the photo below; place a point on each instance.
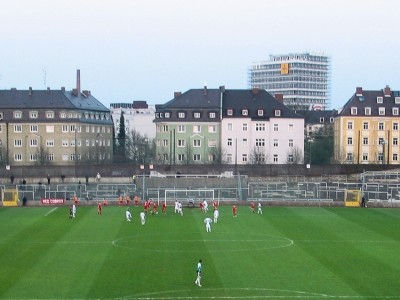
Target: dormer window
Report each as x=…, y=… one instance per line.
x=277, y=113
x=331, y=119
x=157, y=115
x=63, y=115
x=395, y=111
x=33, y=114
x=367, y=111
x=17, y=114
x=379, y=100
x=260, y=112
x=321, y=120
x=245, y=112
x=230, y=112
x=353, y=111
x=381, y=111
x=167, y=115
x=212, y=115
x=181, y=115
x=196, y=115
x=397, y=100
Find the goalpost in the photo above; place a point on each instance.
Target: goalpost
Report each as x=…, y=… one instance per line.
x=352, y=198
x=9, y=197
x=185, y=195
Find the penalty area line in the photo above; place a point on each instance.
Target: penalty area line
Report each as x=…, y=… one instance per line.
x=50, y=211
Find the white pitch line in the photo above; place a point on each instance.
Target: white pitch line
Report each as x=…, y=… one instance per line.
x=50, y=211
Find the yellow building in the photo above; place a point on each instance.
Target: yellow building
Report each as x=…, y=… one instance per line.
x=367, y=128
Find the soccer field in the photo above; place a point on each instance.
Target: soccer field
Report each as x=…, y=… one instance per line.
x=285, y=253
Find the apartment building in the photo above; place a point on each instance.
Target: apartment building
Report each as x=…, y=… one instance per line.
x=208, y=126
x=54, y=127
x=367, y=129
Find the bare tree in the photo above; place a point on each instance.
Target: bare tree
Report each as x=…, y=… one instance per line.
x=257, y=156
x=295, y=156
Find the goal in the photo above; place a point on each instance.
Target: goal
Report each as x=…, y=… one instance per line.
x=9, y=197
x=188, y=196
x=352, y=198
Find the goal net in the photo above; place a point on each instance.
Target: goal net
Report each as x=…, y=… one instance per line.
x=352, y=198
x=9, y=197
x=190, y=197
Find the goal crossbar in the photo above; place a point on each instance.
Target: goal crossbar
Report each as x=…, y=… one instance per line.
x=185, y=194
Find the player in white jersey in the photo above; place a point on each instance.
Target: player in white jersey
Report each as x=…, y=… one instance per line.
x=208, y=222
x=216, y=215
x=128, y=215
x=142, y=218
x=259, y=209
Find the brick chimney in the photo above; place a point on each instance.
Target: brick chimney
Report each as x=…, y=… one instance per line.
x=78, y=81
x=177, y=94
x=205, y=89
x=255, y=90
x=30, y=91
x=387, y=92
x=279, y=97
x=86, y=93
x=359, y=91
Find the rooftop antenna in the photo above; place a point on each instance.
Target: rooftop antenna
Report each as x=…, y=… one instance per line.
x=44, y=78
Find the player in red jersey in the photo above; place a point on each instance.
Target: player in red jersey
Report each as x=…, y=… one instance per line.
x=253, y=207
x=201, y=206
x=155, y=207
x=234, y=210
x=164, y=208
x=215, y=204
x=99, y=208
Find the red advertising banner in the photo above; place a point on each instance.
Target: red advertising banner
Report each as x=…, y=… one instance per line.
x=52, y=201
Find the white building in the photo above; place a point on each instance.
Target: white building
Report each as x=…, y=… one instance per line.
x=138, y=116
x=258, y=129
x=302, y=78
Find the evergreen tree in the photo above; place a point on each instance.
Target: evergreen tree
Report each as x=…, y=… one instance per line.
x=121, y=139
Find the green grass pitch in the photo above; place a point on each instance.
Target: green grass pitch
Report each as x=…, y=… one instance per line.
x=286, y=253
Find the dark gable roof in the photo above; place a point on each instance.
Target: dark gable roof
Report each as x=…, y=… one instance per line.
x=254, y=100
x=314, y=116
x=195, y=99
x=48, y=99
x=369, y=99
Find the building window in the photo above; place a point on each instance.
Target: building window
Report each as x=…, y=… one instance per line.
x=381, y=126
x=212, y=157
x=290, y=158
x=381, y=111
x=230, y=112
x=167, y=115
x=165, y=143
x=65, y=157
x=397, y=100
x=63, y=115
x=260, y=142
x=181, y=143
x=181, y=157
x=290, y=143
x=196, y=128
x=349, y=157
x=260, y=157
x=229, y=158
x=212, y=143
x=394, y=157
x=349, y=141
x=291, y=128
x=244, y=127
x=260, y=126
x=275, y=158
x=277, y=113
x=275, y=143
x=33, y=143
x=260, y=112
x=212, y=115
x=196, y=115
x=395, y=111
x=229, y=142
x=350, y=125
x=165, y=128
x=181, y=128
x=18, y=157
x=230, y=127
x=395, y=126
x=365, y=157
x=321, y=120
x=17, y=114
x=33, y=157
x=49, y=143
x=353, y=111
x=33, y=114
x=379, y=100
x=17, y=143
x=50, y=156
x=64, y=143
x=367, y=111
x=395, y=141
x=244, y=157
x=64, y=128
x=244, y=143
x=212, y=128
x=196, y=157
x=365, y=141
x=365, y=125
x=276, y=128
x=245, y=112
x=17, y=128
x=196, y=143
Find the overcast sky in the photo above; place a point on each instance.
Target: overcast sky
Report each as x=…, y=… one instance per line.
x=147, y=50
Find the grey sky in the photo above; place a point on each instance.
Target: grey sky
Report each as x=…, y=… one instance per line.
x=148, y=49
